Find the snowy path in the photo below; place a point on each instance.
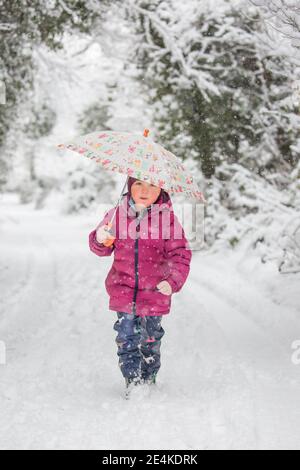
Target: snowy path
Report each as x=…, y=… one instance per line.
x=226, y=381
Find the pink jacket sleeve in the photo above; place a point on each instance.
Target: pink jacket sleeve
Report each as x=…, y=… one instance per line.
x=96, y=247
x=178, y=255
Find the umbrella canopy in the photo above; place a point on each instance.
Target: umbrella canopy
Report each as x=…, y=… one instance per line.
x=139, y=156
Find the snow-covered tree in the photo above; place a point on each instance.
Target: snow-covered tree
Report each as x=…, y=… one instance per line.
x=218, y=90
x=25, y=25
x=283, y=16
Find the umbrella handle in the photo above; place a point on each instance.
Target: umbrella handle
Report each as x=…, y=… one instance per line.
x=111, y=239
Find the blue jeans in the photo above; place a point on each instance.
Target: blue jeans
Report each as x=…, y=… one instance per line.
x=138, y=341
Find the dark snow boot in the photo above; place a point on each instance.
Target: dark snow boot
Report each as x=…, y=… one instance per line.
x=150, y=380
x=132, y=382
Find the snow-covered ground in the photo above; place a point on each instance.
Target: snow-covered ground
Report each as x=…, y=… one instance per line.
x=227, y=379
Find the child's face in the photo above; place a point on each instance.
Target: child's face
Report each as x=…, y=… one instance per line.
x=144, y=194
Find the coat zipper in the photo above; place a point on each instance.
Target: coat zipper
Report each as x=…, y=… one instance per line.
x=136, y=276
x=136, y=256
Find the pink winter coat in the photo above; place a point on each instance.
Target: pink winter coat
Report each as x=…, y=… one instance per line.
x=141, y=262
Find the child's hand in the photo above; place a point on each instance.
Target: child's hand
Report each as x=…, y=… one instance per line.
x=103, y=234
x=164, y=288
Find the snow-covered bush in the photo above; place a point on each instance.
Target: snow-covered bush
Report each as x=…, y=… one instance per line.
x=84, y=190
x=247, y=209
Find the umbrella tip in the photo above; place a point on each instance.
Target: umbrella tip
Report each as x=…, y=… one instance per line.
x=146, y=132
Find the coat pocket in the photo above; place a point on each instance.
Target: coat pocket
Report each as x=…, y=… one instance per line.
x=162, y=299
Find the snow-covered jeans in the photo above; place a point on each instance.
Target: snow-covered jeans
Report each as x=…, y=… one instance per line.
x=138, y=340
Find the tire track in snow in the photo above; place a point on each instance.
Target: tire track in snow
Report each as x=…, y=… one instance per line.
x=21, y=278
x=31, y=308
x=262, y=361
x=28, y=316
x=253, y=310
x=291, y=313
x=247, y=336
x=229, y=419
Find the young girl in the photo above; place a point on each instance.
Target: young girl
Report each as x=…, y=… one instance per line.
x=151, y=262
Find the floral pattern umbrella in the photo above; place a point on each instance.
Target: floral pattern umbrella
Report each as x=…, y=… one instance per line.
x=138, y=156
